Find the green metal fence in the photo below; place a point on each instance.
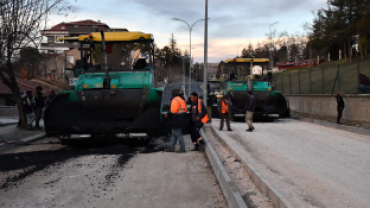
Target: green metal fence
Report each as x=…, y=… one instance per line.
x=323, y=80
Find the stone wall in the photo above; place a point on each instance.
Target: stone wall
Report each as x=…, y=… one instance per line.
x=324, y=107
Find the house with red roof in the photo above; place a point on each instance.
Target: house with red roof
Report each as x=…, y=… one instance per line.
x=70, y=29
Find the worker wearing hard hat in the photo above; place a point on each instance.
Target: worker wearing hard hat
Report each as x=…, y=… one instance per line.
x=198, y=118
x=177, y=116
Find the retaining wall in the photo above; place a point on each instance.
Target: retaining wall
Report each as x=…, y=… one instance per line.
x=324, y=107
x=8, y=112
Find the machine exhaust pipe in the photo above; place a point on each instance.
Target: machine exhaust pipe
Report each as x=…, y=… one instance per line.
x=107, y=86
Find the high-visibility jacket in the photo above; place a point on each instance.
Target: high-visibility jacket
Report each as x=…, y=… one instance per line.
x=178, y=105
x=205, y=118
x=225, y=107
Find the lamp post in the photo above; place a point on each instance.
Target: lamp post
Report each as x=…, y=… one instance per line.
x=190, y=29
x=237, y=50
x=205, y=57
x=272, y=64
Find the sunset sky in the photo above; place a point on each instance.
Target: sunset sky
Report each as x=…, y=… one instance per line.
x=232, y=22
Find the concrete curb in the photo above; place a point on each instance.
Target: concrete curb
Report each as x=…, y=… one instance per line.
x=6, y=147
x=266, y=188
x=229, y=189
x=7, y=124
x=334, y=125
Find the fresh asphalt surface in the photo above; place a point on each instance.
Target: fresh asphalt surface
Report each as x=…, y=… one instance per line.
x=309, y=164
x=47, y=174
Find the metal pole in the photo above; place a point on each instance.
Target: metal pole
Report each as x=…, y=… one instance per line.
x=190, y=29
x=338, y=77
x=190, y=62
x=358, y=73
x=299, y=82
x=290, y=84
x=282, y=84
x=323, y=80
x=309, y=71
x=183, y=74
x=251, y=67
x=205, y=54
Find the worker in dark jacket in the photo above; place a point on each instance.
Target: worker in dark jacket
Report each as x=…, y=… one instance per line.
x=210, y=100
x=27, y=108
x=177, y=119
x=249, y=108
x=49, y=98
x=39, y=104
x=199, y=117
x=340, y=106
x=224, y=112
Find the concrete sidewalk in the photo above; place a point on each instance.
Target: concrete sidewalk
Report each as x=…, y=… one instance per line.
x=11, y=132
x=8, y=121
x=309, y=165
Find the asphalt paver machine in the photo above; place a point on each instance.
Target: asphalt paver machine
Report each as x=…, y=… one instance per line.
x=244, y=74
x=114, y=96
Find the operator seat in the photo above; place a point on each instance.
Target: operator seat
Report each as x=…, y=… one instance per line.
x=140, y=64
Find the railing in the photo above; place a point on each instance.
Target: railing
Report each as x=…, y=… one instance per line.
x=327, y=79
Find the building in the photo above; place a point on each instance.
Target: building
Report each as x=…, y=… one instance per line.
x=70, y=29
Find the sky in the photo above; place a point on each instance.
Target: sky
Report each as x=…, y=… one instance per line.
x=231, y=23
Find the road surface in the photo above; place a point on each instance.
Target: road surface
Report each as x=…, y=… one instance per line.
x=52, y=175
x=311, y=165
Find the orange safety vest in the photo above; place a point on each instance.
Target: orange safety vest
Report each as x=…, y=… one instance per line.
x=178, y=105
x=225, y=108
x=205, y=119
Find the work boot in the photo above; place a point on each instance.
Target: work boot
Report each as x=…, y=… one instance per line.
x=196, y=148
x=170, y=149
x=201, y=142
x=229, y=130
x=180, y=151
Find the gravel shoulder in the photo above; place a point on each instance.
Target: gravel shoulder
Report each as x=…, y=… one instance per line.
x=52, y=175
x=311, y=165
x=252, y=196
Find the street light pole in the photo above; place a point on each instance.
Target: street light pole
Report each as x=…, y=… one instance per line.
x=205, y=56
x=271, y=61
x=190, y=29
x=237, y=50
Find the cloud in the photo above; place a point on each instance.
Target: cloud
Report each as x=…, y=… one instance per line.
x=232, y=22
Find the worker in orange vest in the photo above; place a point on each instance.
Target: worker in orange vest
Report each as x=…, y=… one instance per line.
x=225, y=112
x=198, y=118
x=177, y=116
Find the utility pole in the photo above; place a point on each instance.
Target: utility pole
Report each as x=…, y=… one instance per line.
x=205, y=54
x=190, y=29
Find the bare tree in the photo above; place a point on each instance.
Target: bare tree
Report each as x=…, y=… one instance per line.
x=20, y=22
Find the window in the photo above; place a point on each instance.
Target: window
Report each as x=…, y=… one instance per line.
x=94, y=26
x=75, y=26
x=56, y=39
x=51, y=39
x=62, y=27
